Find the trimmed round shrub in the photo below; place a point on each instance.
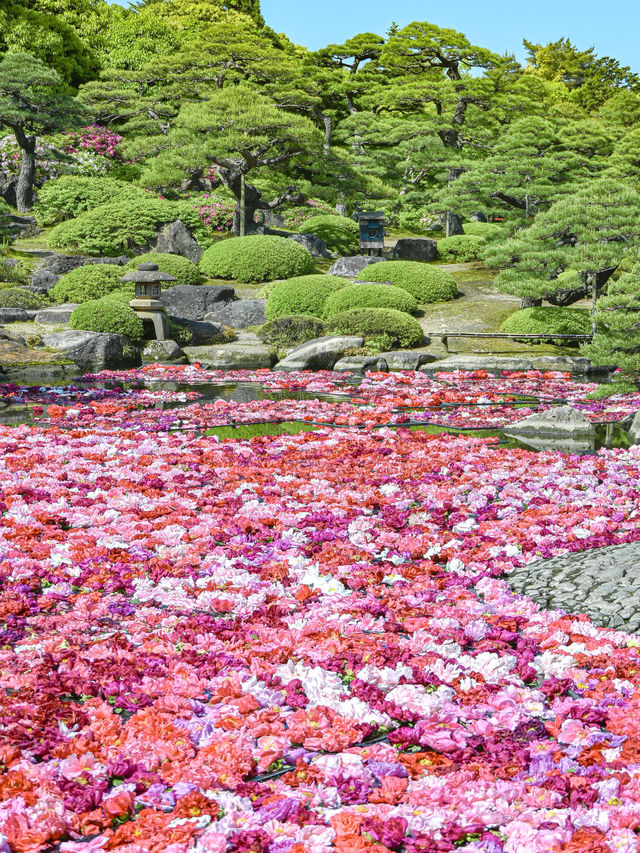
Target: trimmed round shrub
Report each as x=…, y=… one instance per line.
x=91, y=281
x=22, y=297
x=109, y=314
x=305, y=294
x=338, y=232
x=488, y=230
x=70, y=195
x=547, y=319
x=291, y=329
x=184, y=270
x=460, y=248
x=124, y=225
x=256, y=258
x=368, y=295
x=426, y=283
x=395, y=328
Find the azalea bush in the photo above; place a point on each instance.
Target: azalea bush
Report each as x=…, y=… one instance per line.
x=70, y=195
x=460, y=248
x=90, y=282
x=306, y=294
x=291, y=329
x=385, y=326
x=545, y=320
x=99, y=140
x=21, y=297
x=124, y=225
x=338, y=232
x=426, y=283
x=368, y=295
x=296, y=216
x=183, y=270
x=256, y=258
x=216, y=212
x=111, y=313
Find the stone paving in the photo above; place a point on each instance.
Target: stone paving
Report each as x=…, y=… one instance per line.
x=603, y=583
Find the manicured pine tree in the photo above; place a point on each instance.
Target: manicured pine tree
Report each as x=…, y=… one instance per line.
x=32, y=103
x=590, y=231
x=241, y=132
x=617, y=319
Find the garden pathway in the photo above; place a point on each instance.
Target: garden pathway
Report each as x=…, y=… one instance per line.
x=602, y=582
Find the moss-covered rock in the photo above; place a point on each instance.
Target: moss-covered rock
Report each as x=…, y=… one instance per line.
x=291, y=329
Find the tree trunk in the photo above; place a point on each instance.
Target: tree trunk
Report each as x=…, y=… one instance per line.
x=27, y=176
x=595, y=281
x=328, y=133
x=453, y=222
x=529, y=302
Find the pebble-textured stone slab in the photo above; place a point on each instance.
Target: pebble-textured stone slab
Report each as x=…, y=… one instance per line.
x=604, y=583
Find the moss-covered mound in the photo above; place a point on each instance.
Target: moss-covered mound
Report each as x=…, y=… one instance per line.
x=21, y=297
x=339, y=233
x=368, y=295
x=291, y=329
x=547, y=320
x=461, y=248
x=109, y=314
x=184, y=270
x=123, y=225
x=306, y=294
x=383, y=326
x=70, y=195
x=92, y=281
x=256, y=258
x=426, y=283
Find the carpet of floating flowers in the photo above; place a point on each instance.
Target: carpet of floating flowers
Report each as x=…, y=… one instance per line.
x=306, y=643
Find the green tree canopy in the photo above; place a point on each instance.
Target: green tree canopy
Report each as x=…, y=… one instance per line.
x=241, y=132
x=32, y=102
x=589, y=231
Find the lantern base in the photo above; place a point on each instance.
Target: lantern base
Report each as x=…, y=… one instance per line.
x=146, y=309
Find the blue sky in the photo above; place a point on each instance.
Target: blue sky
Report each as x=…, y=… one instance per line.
x=611, y=27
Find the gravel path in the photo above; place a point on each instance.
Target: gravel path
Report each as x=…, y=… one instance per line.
x=602, y=582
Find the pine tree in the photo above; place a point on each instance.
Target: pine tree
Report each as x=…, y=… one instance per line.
x=31, y=104
x=590, y=231
x=617, y=319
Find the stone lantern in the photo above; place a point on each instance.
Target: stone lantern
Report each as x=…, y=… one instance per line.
x=148, y=280
x=371, y=227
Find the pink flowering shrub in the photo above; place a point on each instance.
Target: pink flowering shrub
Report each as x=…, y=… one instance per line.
x=99, y=140
x=294, y=217
x=216, y=213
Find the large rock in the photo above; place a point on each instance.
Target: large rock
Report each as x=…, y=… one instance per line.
x=176, y=239
x=13, y=315
x=8, y=189
x=415, y=249
x=360, y=364
x=57, y=315
x=349, y=267
x=406, y=359
x=561, y=421
x=163, y=351
x=496, y=364
x=231, y=357
x=240, y=314
x=195, y=301
x=62, y=264
x=319, y=353
x=42, y=280
x=94, y=351
x=316, y=247
x=201, y=333
x=634, y=429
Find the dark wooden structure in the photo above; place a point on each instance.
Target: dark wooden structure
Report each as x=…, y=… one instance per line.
x=371, y=232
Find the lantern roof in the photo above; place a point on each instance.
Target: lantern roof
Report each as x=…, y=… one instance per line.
x=374, y=214
x=148, y=273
